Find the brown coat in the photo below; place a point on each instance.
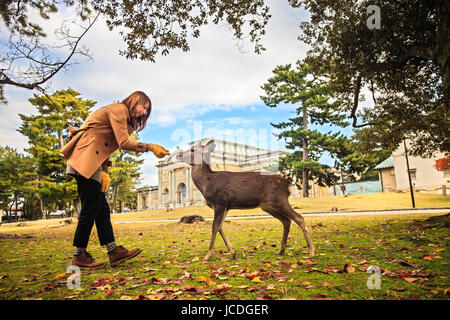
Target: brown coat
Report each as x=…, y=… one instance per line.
x=103, y=132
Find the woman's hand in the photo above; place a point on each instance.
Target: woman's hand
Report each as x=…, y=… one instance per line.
x=158, y=150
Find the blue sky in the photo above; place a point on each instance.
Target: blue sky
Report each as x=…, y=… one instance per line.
x=215, y=86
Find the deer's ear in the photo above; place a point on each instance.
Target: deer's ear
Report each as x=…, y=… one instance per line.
x=209, y=147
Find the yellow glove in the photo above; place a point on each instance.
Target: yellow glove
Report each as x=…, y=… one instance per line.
x=105, y=181
x=159, y=151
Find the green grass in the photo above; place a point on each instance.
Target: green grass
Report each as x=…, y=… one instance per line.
x=170, y=266
x=372, y=201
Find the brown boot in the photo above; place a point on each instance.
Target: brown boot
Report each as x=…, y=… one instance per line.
x=120, y=254
x=85, y=261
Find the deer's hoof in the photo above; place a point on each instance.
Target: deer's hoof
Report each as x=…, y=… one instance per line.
x=206, y=258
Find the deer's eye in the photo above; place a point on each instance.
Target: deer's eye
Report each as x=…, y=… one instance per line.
x=192, y=150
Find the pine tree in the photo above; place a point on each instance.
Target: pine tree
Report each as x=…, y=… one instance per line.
x=307, y=88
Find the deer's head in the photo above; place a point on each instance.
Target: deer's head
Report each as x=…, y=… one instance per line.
x=197, y=154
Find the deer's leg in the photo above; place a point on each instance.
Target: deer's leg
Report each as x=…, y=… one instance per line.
x=286, y=225
x=301, y=222
x=225, y=238
x=219, y=216
x=227, y=242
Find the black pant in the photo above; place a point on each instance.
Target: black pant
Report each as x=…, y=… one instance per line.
x=94, y=208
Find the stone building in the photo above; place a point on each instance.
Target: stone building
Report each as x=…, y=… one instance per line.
x=175, y=187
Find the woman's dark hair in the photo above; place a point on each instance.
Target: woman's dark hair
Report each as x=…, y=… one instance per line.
x=138, y=97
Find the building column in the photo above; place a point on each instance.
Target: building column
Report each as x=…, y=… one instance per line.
x=150, y=198
x=159, y=186
x=188, y=184
x=172, y=185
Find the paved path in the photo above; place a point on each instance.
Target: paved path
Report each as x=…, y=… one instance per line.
x=320, y=214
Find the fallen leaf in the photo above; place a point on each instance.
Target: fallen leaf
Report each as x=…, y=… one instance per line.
x=348, y=268
x=109, y=292
x=410, y=280
x=242, y=287
x=310, y=263
x=256, y=279
x=270, y=286
x=325, y=283
x=60, y=275
x=408, y=264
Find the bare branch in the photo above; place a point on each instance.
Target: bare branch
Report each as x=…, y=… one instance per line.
x=42, y=67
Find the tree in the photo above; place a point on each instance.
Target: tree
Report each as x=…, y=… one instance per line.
x=124, y=176
x=404, y=65
x=9, y=178
x=361, y=153
x=147, y=27
x=46, y=133
x=308, y=88
x=16, y=175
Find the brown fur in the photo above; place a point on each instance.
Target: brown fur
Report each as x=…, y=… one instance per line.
x=225, y=190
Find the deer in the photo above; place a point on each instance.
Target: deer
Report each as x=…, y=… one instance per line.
x=225, y=190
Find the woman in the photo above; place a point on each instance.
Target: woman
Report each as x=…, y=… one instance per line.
x=87, y=154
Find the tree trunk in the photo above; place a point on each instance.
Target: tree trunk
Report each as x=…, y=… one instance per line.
x=305, y=173
x=15, y=200
x=61, y=141
x=41, y=203
x=77, y=207
x=442, y=49
x=116, y=192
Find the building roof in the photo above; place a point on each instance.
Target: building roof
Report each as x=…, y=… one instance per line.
x=388, y=163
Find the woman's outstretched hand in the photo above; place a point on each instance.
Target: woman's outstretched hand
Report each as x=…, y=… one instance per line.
x=158, y=150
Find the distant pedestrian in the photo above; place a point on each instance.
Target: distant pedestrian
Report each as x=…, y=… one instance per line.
x=87, y=154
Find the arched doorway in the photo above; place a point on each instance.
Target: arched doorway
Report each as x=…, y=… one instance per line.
x=181, y=193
